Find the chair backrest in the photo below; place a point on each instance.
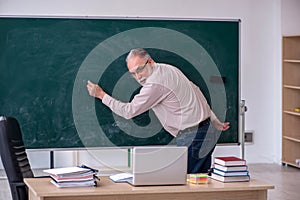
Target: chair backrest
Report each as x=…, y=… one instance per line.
x=14, y=157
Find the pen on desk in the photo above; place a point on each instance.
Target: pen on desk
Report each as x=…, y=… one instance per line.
x=94, y=170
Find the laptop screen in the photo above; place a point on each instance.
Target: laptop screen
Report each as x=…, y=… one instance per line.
x=159, y=165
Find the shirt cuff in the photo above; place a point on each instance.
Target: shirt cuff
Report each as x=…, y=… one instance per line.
x=106, y=99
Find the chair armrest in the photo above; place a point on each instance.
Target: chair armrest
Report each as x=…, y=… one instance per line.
x=18, y=184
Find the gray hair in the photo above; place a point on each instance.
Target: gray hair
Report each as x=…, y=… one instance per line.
x=142, y=53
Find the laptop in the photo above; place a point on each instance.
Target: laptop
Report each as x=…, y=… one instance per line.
x=159, y=165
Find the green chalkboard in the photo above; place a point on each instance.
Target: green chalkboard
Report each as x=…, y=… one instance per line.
x=46, y=62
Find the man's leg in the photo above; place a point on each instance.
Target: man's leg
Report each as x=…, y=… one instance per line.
x=199, y=163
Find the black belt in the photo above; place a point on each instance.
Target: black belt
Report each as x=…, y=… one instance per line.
x=204, y=122
x=193, y=128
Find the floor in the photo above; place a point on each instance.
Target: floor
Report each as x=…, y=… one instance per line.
x=285, y=179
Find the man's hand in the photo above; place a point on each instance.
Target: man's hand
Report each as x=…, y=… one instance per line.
x=221, y=126
x=95, y=90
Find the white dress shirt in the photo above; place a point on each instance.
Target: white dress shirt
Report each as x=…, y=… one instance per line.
x=176, y=101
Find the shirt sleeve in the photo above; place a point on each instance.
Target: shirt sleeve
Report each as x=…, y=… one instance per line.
x=214, y=118
x=149, y=96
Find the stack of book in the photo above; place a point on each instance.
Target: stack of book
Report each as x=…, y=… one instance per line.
x=73, y=176
x=230, y=169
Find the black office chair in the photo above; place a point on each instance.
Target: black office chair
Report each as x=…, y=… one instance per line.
x=14, y=157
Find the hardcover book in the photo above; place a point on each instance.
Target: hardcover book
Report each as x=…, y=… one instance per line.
x=229, y=161
x=230, y=178
x=230, y=168
x=232, y=173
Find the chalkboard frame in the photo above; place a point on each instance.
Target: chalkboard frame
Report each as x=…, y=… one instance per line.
x=136, y=19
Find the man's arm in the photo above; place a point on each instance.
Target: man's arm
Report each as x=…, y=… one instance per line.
x=148, y=97
x=215, y=121
x=217, y=124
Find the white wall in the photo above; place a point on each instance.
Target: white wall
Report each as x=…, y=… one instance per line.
x=260, y=57
x=290, y=12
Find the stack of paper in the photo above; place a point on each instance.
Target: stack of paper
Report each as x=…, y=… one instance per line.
x=122, y=177
x=198, y=178
x=73, y=176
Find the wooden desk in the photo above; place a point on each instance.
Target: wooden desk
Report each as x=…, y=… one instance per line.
x=42, y=189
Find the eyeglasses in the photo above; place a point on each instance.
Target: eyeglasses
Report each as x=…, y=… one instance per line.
x=139, y=69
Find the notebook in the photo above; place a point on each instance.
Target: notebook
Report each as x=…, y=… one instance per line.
x=159, y=165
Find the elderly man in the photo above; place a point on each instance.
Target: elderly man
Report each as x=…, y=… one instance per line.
x=178, y=103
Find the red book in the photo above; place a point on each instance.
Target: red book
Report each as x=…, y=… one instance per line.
x=229, y=161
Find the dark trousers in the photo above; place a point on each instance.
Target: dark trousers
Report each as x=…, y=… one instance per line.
x=200, y=148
